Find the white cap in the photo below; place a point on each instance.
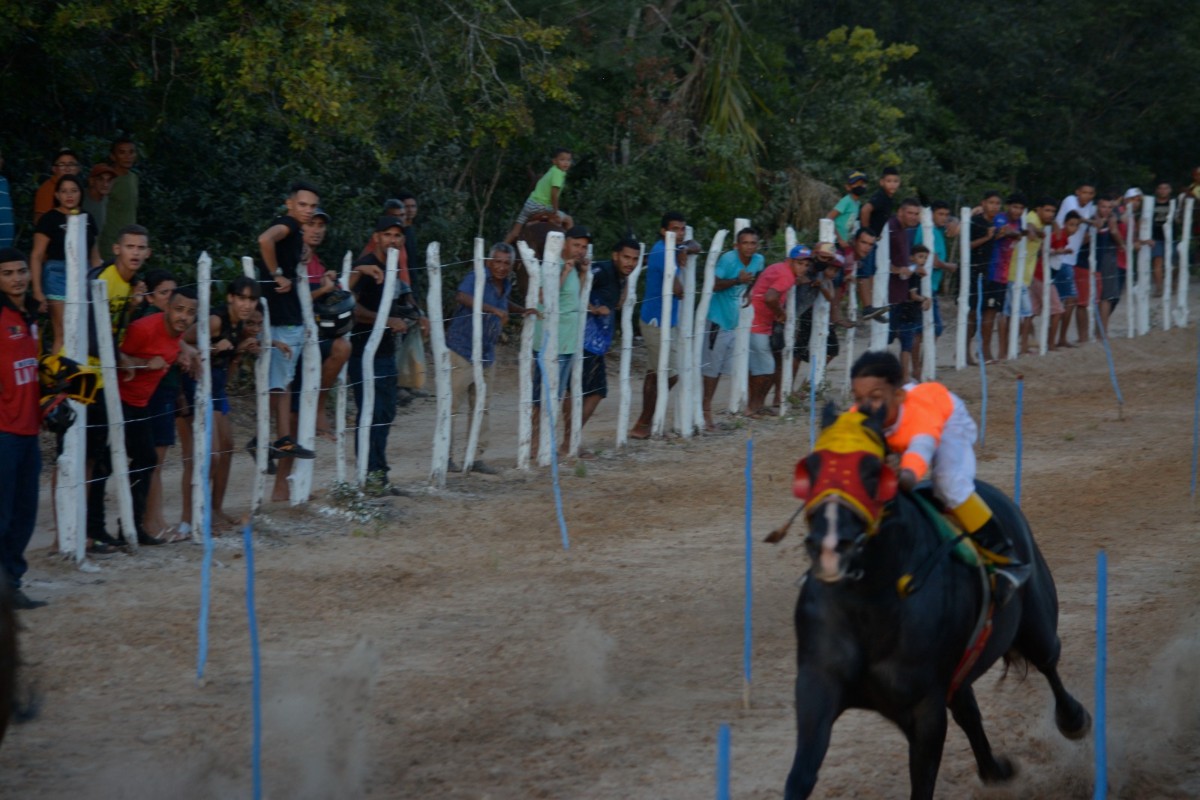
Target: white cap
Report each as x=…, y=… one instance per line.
x=1132, y=193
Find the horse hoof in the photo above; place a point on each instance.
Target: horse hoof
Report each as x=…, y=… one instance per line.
x=1004, y=771
x=1074, y=729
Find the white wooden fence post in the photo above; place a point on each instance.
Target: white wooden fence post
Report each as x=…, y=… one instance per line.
x=1015, y=284
x=964, y=288
x=1094, y=299
x=1185, y=259
x=533, y=271
x=700, y=325
x=928, y=328
x=624, y=403
x=441, y=366
x=300, y=480
x=202, y=406
x=551, y=286
x=739, y=390
x=689, y=375
x=1144, y=281
x=879, y=289
x=585, y=292
x=112, y=404
x=1044, y=328
x=340, y=396
x=71, y=494
x=476, y=424
x=787, y=375
x=658, y=425
x=366, y=412
x=1130, y=274
x=1168, y=264
x=262, y=395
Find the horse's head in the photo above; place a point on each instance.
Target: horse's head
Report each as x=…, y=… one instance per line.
x=845, y=485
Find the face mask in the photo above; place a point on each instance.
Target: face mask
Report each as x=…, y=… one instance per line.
x=858, y=191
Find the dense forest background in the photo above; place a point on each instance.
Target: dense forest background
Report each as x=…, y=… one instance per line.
x=715, y=108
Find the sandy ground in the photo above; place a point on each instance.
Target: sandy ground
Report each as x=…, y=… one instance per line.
x=453, y=649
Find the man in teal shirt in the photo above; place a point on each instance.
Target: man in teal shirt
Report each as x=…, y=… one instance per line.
x=574, y=263
x=735, y=270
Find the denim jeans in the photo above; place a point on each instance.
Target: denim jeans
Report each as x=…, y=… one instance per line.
x=385, y=407
x=20, y=471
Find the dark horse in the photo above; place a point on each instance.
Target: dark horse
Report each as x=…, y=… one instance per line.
x=863, y=645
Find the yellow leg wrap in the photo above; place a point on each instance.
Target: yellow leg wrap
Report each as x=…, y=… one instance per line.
x=973, y=514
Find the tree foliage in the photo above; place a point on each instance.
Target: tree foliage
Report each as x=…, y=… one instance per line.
x=719, y=109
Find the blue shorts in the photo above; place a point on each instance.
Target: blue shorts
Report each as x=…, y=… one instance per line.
x=905, y=322
x=283, y=367
x=564, y=376
x=1064, y=282
x=1024, y=308
x=54, y=279
x=762, y=360
x=161, y=409
x=866, y=267
x=220, y=396
x=1159, y=251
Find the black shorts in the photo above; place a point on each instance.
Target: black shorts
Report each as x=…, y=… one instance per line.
x=993, y=293
x=595, y=378
x=804, y=335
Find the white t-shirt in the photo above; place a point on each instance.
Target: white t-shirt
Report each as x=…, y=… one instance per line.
x=1071, y=203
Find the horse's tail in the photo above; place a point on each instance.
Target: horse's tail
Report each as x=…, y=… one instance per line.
x=1014, y=660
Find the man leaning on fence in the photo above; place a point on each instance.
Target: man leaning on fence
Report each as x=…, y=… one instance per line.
x=496, y=305
x=366, y=279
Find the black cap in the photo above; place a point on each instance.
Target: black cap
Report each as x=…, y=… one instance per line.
x=387, y=222
x=320, y=212
x=579, y=232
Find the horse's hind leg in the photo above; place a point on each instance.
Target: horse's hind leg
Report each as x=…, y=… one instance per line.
x=1072, y=719
x=966, y=714
x=1041, y=646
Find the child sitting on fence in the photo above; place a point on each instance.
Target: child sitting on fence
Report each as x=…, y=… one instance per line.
x=546, y=195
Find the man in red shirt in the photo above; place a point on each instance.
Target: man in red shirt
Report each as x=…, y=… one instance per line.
x=150, y=347
x=768, y=295
x=20, y=418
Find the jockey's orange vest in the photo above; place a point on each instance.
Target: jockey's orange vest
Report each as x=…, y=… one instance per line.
x=918, y=430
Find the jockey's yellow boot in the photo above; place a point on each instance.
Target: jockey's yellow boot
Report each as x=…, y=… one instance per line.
x=997, y=549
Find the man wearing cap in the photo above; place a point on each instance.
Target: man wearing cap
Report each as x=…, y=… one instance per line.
x=845, y=213
x=573, y=266
x=20, y=419
x=282, y=246
x=767, y=298
x=366, y=280
x=95, y=199
x=735, y=270
x=652, y=313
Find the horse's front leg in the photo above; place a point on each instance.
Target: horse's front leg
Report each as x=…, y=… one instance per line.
x=926, y=732
x=818, y=704
x=966, y=714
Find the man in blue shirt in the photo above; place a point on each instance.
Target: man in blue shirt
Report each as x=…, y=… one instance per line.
x=652, y=314
x=7, y=227
x=735, y=270
x=496, y=306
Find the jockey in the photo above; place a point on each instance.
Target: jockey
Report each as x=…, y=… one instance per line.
x=931, y=429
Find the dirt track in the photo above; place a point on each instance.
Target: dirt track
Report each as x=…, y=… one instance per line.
x=454, y=650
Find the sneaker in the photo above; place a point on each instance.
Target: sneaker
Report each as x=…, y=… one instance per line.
x=286, y=447
x=877, y=314
x=419, y=394
x=24, y=602
x=252, y=449
x=484, y=468
x=403, y=398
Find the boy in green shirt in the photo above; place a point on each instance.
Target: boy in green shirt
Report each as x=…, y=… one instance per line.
x=546, y=195
x=846, y=211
